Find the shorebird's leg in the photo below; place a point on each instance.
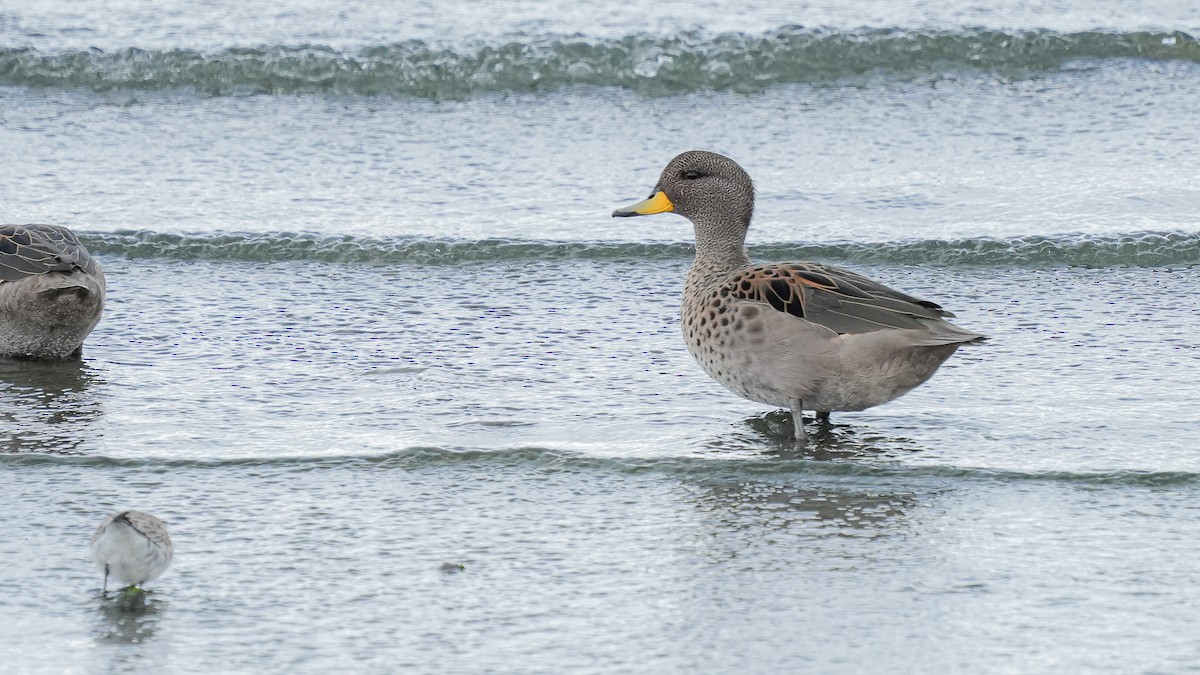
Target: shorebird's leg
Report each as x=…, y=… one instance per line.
x=823, y=417
x=798, y=421
x=105, y=590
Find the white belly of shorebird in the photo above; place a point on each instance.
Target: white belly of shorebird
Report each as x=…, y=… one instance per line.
x=128, y=556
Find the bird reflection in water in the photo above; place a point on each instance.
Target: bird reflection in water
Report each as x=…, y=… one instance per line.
x=742, y=515
x=128, y=618
x=48, y=406
x=770, y=434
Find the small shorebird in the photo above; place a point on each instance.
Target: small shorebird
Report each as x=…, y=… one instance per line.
x=131, y=546
x=798, y=335
x=51, y=292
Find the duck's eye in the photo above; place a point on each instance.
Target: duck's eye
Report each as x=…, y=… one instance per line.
x=690, y=175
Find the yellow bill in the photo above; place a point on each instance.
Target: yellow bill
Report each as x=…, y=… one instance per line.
x=657, y=203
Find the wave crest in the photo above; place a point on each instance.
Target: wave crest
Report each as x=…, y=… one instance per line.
x=1141, y=249
x=654, y=65
x=748, y=467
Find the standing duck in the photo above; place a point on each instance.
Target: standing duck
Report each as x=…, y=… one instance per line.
x=798, y=335
x=51, y=292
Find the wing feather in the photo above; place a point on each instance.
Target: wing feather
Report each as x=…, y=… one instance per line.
x=31, y=250
x=841, y=300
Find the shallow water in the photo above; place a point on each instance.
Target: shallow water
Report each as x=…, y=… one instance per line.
x=368, y=314
x=574, y=563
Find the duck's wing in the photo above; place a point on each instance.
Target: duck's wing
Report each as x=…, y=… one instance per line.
x=30, y=250
x=840, y=300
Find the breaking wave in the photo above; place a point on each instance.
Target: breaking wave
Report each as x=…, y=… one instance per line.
x=650, y=64
x=1140, y=249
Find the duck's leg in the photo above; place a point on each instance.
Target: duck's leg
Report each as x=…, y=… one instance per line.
x=798, y=421
x=105, y=590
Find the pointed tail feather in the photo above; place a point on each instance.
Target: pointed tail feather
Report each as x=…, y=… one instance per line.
x=946, y=333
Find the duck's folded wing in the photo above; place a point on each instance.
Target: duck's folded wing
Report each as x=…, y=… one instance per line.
x=38, y=249
x=838, y=299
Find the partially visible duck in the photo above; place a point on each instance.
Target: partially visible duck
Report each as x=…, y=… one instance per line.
x=51, y=292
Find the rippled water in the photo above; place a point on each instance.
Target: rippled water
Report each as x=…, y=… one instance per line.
x=368, y=314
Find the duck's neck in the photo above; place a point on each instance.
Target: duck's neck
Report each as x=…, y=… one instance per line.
x=718, y=253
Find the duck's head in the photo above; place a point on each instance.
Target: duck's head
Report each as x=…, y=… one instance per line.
x=708, y=189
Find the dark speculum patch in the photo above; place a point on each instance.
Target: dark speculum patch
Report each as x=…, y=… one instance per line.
x=784, y=298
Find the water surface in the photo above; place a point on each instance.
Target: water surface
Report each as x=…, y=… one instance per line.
x=368, y=314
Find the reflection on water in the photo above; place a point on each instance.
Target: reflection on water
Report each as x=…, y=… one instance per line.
x=125, y=619
x=743, y=513
x=746, y=515
x=818, y=510
x=47, y=406
x=771, y=434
